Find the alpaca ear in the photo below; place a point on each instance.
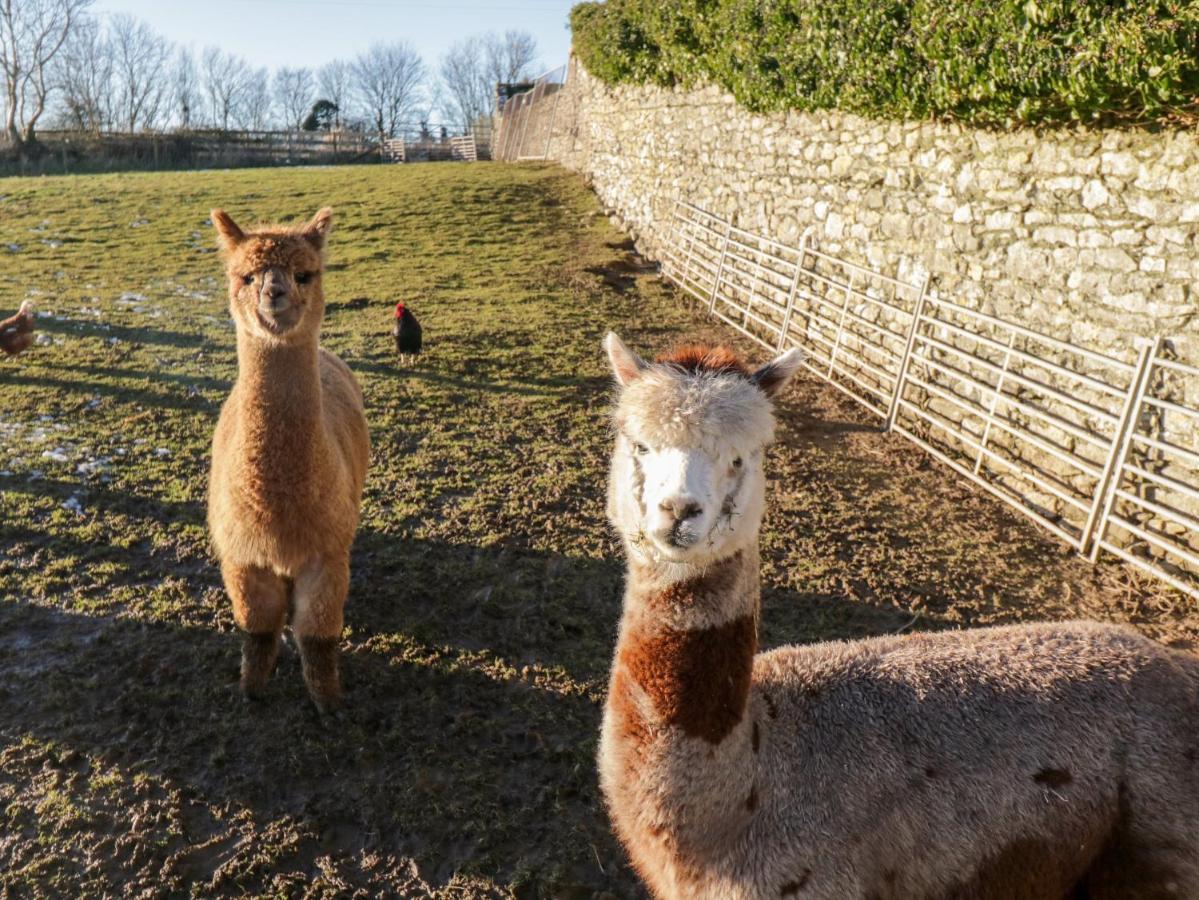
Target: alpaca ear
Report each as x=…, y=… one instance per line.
x=318, y=228
x=231, y=235
x=773, y=376
x=626, y=365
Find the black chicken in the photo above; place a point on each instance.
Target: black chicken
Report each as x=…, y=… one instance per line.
x=407, y=333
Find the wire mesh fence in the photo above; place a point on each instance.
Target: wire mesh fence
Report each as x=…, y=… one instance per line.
x=1096, y=449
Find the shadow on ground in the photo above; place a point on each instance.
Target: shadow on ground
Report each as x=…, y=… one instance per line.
x=470, y=730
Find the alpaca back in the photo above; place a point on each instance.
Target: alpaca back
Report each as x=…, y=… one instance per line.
x=896, y=765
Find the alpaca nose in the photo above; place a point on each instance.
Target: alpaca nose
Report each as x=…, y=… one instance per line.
x=681, y=508
x=274, y=296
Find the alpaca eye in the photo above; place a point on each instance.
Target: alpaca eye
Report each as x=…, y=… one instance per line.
x=247, y=279
x=737, y=463
x=303, y=277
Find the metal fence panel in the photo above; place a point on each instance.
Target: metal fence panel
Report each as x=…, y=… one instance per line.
x=1149, y=516
x=528, y=119
x=1083, y=443
x=1033, y=418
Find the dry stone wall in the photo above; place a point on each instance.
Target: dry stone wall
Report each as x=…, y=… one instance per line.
x=1090, y=236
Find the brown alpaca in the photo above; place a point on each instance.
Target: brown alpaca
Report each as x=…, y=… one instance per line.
x=1046, y=761
x=289, y=457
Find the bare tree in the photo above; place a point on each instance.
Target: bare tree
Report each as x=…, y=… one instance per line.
x=223, y=76
x=466, y=89
x=388, y=79
x=509, y=56
x=254, y=111
x=185, y=89
x=335, y=79
x=294, y=89
x=474, y=66
x=142, y=59
x=32, y=32
x=84, y=73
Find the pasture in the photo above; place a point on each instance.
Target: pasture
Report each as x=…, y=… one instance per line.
x=485, y=583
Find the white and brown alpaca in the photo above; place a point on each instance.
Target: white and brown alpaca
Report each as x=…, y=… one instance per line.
x=289, y=457
x=1047, y=761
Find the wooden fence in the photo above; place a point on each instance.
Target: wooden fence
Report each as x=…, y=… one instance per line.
x=73, y=151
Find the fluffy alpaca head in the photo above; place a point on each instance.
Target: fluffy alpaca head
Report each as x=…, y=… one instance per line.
x=274, y=273
x=687, y=483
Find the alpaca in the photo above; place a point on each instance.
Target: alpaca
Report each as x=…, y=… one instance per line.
x=1043, y=761
x=289, y=458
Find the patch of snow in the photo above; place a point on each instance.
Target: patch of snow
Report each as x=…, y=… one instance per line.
x=92, y=466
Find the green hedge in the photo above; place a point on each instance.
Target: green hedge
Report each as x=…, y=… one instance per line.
x=983, y=61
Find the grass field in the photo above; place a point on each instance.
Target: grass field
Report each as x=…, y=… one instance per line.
x=486, y=587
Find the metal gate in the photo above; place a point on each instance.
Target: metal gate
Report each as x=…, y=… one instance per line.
x=527, y=119
x=1089, y=446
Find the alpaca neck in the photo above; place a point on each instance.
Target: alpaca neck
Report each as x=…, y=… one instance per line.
x=702, y=628
x=281, y=408
x=679, y=720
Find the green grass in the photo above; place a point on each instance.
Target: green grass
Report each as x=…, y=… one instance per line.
x=486, y=586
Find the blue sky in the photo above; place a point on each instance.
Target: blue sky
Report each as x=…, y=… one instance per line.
x=311, y=32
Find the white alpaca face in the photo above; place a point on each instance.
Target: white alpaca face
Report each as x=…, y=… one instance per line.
x=687, y=482
x=686, y=503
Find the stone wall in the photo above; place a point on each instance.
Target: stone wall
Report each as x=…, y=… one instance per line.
x=1090, y=236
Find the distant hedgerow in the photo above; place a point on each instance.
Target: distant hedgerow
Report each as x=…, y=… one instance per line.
x=983, y=61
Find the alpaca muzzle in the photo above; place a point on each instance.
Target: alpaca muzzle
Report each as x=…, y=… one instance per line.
x=276, y=311
x=679, y=523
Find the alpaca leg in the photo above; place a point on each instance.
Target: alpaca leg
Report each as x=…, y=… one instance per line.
x=1151, y=865
x=1155, y=851
x=260, y=609
x=320, y=595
